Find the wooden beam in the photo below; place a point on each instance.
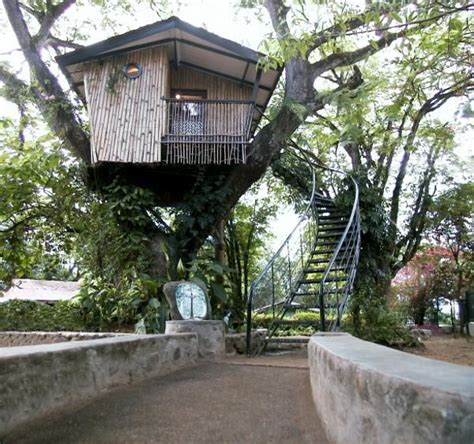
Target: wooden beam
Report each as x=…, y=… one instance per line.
x=256, y=85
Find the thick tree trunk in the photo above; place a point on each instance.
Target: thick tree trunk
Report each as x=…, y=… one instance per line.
x=165, y=257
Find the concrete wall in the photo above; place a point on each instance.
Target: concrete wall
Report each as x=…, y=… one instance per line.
x=17, y=338
x=39, y=379
x=366, y=393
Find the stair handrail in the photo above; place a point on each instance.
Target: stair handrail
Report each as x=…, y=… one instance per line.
x=332, y=261
x=308, y=209
x=302, y=219
x=354, y=216
x=355, y=213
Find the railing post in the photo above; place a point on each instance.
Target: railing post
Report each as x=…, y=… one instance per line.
x=289, y=266
x=322, y=314
x=301, y=250
x=249, y=323
x=273, y=293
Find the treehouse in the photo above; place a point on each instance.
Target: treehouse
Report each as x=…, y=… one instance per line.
x=169, y=101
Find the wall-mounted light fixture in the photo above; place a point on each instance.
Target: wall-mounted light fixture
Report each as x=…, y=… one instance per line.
x=132, y=70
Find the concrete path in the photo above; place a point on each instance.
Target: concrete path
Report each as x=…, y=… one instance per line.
x=266, y=400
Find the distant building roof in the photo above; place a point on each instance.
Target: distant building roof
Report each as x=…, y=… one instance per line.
x=41, y=291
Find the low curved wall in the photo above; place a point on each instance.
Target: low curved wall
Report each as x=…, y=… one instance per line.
x=36, y=380
x=367, y=393
x=21, y=338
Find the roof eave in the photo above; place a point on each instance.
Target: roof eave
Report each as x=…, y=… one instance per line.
x=96, y=50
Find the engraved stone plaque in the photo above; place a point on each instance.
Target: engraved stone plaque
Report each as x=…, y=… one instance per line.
x=187, y=300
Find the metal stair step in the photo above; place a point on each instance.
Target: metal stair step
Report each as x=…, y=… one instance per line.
x=315, y=293
x=324, y=260
x=327, y=244
x=327, y=251
x=323, y=198
x=330, y=235
x=308, y=307
x=334, y=216
x=332, y=230
x=332, y=226
x=318, y=281
x=321, y=270
x=335, y=231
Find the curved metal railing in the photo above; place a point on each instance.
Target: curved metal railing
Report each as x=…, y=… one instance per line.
x=281, y=280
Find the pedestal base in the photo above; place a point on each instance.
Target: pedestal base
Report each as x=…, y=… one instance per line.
x=211, y=338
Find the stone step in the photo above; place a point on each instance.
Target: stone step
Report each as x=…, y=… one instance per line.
x=288, y=340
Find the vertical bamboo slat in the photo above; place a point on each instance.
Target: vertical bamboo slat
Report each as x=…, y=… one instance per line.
x=127, y=124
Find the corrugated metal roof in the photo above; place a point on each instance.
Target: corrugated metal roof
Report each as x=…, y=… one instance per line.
x=43, y=291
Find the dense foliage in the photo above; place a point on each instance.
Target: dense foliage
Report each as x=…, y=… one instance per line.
x=35, y=316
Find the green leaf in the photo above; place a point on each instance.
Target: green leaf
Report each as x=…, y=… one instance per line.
x=154, y=303
x=218, y=290
x=395, y=16
x=217, y=268
x=180, y=268
x=198, y=281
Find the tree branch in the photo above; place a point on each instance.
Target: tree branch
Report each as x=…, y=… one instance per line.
x=38, y=15
x=411, y=241
x=17, y=91
x=61, y=115
x=49, y=20
x=336, y=60
x=350, y=26
x=278, y=12
x=436, y=101
x=56, y=42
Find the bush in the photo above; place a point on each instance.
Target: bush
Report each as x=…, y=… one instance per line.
x=131, y=301
x=383, y=327
x=264, y=320
x=17, y=315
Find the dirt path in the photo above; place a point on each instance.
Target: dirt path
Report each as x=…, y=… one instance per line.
x=457, y=350
x=268, y=401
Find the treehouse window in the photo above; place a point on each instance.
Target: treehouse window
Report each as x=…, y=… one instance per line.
x=187, y=112
x=132, y=70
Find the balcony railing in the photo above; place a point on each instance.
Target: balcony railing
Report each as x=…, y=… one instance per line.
x=206, y=131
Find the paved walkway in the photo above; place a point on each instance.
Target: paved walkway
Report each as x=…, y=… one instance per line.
x=239, y=400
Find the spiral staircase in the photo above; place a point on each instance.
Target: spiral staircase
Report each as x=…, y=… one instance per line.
x=313, y=271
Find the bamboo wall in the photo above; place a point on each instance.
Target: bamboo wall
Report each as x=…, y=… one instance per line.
x=127, y=124
x=217, y=88
x=234, y=118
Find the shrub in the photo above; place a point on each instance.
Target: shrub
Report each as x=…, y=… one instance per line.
x=131, y=301
x=383, y=327
x=17, y=315
x=264, y=320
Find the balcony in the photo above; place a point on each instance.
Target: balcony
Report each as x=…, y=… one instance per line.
x=206, y=131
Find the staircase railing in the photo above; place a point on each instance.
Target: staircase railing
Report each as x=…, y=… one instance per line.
x=281, y=277
x=344, y=261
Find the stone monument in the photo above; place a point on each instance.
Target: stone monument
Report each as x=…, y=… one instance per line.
x=190, y=311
